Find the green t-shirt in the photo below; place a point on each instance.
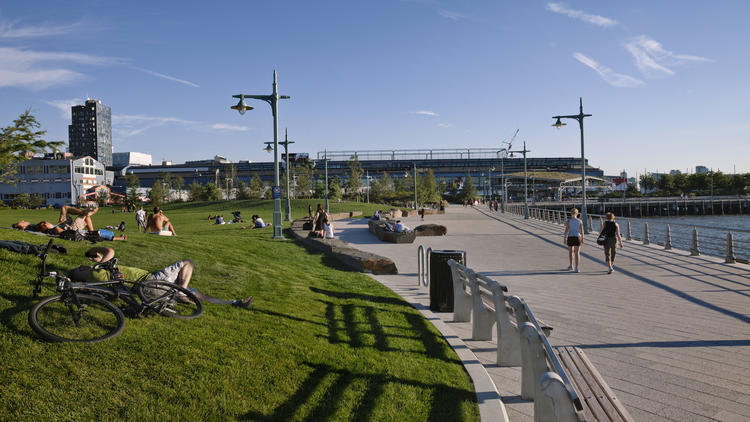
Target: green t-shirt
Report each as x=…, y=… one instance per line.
x=129, y=273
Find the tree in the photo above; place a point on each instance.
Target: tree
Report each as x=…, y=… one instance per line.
x=427, y=188
x=211, y=192
x=355, y=177
x=304, y=180
x=334, y=188
x=256, y=187
x=22, y=200
x=19, y=139
x=195, y=192
x=133, y=184
x=469, y=191
x=36, y=201
x=648, y=182
x=666, y=184
x=381, y=189
x=102, y=196
x=159, y=192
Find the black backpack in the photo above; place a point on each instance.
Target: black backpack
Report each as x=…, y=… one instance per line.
x=73, y=235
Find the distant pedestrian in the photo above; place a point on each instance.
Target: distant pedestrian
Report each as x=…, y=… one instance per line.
x=611, y=231
x=140, y=219
x=573, y=238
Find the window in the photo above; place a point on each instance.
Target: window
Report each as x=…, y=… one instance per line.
x=58, y=169
x=34, y=169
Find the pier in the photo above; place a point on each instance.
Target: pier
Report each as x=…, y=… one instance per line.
x=669, y=332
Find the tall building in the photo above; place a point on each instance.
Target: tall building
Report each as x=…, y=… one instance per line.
x=124, y=159
x=90, y=133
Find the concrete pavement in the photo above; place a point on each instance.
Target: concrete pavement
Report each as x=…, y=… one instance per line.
x=670, y=333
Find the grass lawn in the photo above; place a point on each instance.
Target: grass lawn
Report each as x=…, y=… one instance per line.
x=321, y=343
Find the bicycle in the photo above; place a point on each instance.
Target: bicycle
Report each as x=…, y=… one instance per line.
x=83, y=312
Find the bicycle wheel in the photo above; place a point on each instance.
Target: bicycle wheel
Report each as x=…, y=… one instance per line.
x=58, y=318
x=169, y=299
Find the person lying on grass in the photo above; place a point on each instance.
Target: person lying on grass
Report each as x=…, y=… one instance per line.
x=57, y=229
x=179, y=273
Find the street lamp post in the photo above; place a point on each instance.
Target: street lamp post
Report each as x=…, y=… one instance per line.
x=286, y=143
x=325, y=157
x=273, y=101
x=415, y=185
x=502, y=174
x=558, y=124
x=525, y=181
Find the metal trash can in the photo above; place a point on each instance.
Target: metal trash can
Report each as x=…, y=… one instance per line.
x=441, y=279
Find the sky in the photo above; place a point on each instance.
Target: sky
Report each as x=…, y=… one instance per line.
x=665, y=81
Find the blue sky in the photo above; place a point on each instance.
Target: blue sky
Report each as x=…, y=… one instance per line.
x=666, y=81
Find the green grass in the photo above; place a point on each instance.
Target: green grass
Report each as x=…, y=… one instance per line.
x=322, y=343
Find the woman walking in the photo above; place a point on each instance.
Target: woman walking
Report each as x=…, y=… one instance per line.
x=573, y=237
x=611, y=232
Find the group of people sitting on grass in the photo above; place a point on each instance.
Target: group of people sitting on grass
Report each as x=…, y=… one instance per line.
x=72, y=220
x=78, y=220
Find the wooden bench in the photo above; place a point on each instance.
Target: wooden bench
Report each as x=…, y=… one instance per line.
x=482, y=301
x=562, y=381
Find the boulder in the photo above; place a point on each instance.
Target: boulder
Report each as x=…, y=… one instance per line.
x=431, y=230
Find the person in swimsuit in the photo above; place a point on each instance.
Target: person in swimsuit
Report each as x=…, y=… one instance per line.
x=573, y=238
x=158, y=223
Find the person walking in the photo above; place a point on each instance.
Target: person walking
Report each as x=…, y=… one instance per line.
x=611, y=232
x=573, y=238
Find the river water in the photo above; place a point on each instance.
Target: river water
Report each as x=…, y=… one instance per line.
x=712, y=232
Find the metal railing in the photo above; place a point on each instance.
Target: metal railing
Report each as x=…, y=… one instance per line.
x=724, y=242
x=423, y=266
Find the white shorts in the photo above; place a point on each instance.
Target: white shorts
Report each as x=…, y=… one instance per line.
x=168, y=274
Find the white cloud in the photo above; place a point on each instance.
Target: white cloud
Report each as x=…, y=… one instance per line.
x=424, y=113
x=610, y=76
x=597, y=20
x=65, y=106
x=653, y=60
x=171, y=78
x=452, y=15
x=10, y=30
x=127, y=125
x=22, y=68
x=445, y=125
x=225, y=126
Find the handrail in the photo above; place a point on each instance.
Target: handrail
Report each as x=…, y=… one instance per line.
x=552, y=357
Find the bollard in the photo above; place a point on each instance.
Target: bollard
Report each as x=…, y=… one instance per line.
x=629, y=237
x=668, y=239
x=645, y=234
x=591, y=224
x=421, y=271
x=694, y=251
x=730, y=249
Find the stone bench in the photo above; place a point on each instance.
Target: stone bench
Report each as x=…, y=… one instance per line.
x=353, y=258
x=430, y=230
x=482, y=301
x=378, y=228
x=562, y=381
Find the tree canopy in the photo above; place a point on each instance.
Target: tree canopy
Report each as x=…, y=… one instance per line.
x=18, y=140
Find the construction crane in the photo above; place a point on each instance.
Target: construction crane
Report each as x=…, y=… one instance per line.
x=512, y=138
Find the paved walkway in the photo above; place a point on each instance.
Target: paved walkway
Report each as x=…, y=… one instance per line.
x=670, y=333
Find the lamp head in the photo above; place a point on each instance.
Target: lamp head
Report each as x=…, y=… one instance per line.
x=558, y=124
x=268, y=148
x=241, y=106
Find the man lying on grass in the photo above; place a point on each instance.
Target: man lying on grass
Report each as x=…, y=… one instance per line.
x=178, y=273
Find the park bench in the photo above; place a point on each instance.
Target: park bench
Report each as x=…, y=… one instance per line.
x=562, y=381
x=482, y=301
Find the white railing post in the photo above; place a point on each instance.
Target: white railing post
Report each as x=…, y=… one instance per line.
x=481, y=317
x=629, y=234
x=591, y=223
x=645, y=234
x=730, y=249
x=668, y=239
x=694, y=251
x=508, y=340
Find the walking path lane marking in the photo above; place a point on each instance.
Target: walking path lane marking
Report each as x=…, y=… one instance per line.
x=669, y=332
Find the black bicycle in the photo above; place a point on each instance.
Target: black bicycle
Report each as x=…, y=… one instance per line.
x=83, y=312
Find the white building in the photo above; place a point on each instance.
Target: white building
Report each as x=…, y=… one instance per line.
x=124, y=159
x=56, y=178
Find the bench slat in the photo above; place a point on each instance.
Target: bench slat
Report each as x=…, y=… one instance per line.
x=596, y=393
x=614, y=407
x=592, y=413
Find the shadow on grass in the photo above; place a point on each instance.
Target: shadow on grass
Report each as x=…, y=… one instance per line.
x=332, y=383
x=360, y=296
x=22, y=304
x=344, y=327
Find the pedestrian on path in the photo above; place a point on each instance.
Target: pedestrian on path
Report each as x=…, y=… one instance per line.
x=611, y=232
x=573, y=237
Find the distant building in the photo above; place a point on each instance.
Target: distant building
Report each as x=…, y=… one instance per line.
x=701, y=169
x=674, y=172
x=90, y=132
x=58, y=179
x=124, y=159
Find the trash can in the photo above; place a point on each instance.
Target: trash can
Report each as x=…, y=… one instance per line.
x=441, y=279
